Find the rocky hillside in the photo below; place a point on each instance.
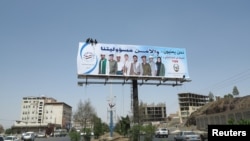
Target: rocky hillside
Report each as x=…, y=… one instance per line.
x=219, y=106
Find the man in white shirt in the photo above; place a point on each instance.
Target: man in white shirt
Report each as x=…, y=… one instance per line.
x=135, y=66
x=126, y=65
x=119, y=65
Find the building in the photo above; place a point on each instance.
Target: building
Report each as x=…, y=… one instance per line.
x=37, y=113
x=153, y=112
x=190, y=102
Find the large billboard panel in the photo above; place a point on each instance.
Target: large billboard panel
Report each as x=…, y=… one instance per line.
x=131, y=60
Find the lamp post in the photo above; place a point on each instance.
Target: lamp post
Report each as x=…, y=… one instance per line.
x=111, y=124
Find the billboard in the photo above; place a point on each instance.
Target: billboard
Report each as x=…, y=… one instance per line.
x=131, y=60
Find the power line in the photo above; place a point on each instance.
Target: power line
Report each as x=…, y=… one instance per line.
x=242, y=76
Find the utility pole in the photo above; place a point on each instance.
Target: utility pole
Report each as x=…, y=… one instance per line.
x=111, y=105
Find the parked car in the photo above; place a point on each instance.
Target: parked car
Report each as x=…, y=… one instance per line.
x=187, y=136
x=40, y=135
x=162, y=132
x=29, y=136
x=11, y=138
x=60, y=132
x=1, y=138
x=22, y=135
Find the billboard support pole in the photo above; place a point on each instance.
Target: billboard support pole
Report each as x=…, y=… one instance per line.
x=135, y=101
x=136, y=105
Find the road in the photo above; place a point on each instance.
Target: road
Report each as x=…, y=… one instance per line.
x=170, y=138
x=53, y=139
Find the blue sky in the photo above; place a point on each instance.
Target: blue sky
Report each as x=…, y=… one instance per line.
x=39, y=44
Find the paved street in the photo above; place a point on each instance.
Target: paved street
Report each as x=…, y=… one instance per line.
x=170, y=138
x=53, y=139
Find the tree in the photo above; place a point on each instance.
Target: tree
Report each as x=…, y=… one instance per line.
x=235, y=91
x=8, y=131
x=122, y=126
x=1, y=128
x=98, y=127
x=149, y=130
x=211, y=97
x=84, y=113
x=74, y=135
x=228, y=96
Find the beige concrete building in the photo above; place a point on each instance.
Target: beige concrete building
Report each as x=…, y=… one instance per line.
x=39, y=112
x=190, y=102
x=153, y=112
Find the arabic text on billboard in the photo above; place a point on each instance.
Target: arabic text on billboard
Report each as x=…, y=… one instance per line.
x=131, y=60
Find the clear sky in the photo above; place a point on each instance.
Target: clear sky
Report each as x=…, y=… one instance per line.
x=39, y=44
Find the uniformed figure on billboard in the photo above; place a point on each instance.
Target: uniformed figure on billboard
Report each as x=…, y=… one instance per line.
x=103, y=65
x=135, y=66
x=112, y=65
x=119, y=65
x=160, y=67
x=152, y=65
x=126, y=65
x=145, y=68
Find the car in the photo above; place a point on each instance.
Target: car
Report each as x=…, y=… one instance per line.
x=162, y=132
x=1, y=138
x=40, y=135
x=22, y=135
x=11, y=138
x=187, y=136
x=60, y=132
x=29, y=136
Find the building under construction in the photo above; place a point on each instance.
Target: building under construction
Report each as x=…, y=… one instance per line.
x=153, y=112
x=190, y=102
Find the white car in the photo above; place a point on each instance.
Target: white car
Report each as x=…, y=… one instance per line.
x=162, y=132
x=40, y=135
x=187, y=136
x=29, y=136
x=11, y=138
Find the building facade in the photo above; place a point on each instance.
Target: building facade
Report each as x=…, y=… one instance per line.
x=153, y=112
x=190, y=102
x=37, y=113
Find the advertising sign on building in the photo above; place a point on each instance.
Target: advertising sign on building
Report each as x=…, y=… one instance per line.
x=131, y=60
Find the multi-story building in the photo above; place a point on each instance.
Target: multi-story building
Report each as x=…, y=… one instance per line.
x=153, y=112
x=190, y=102
x=39, y=112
